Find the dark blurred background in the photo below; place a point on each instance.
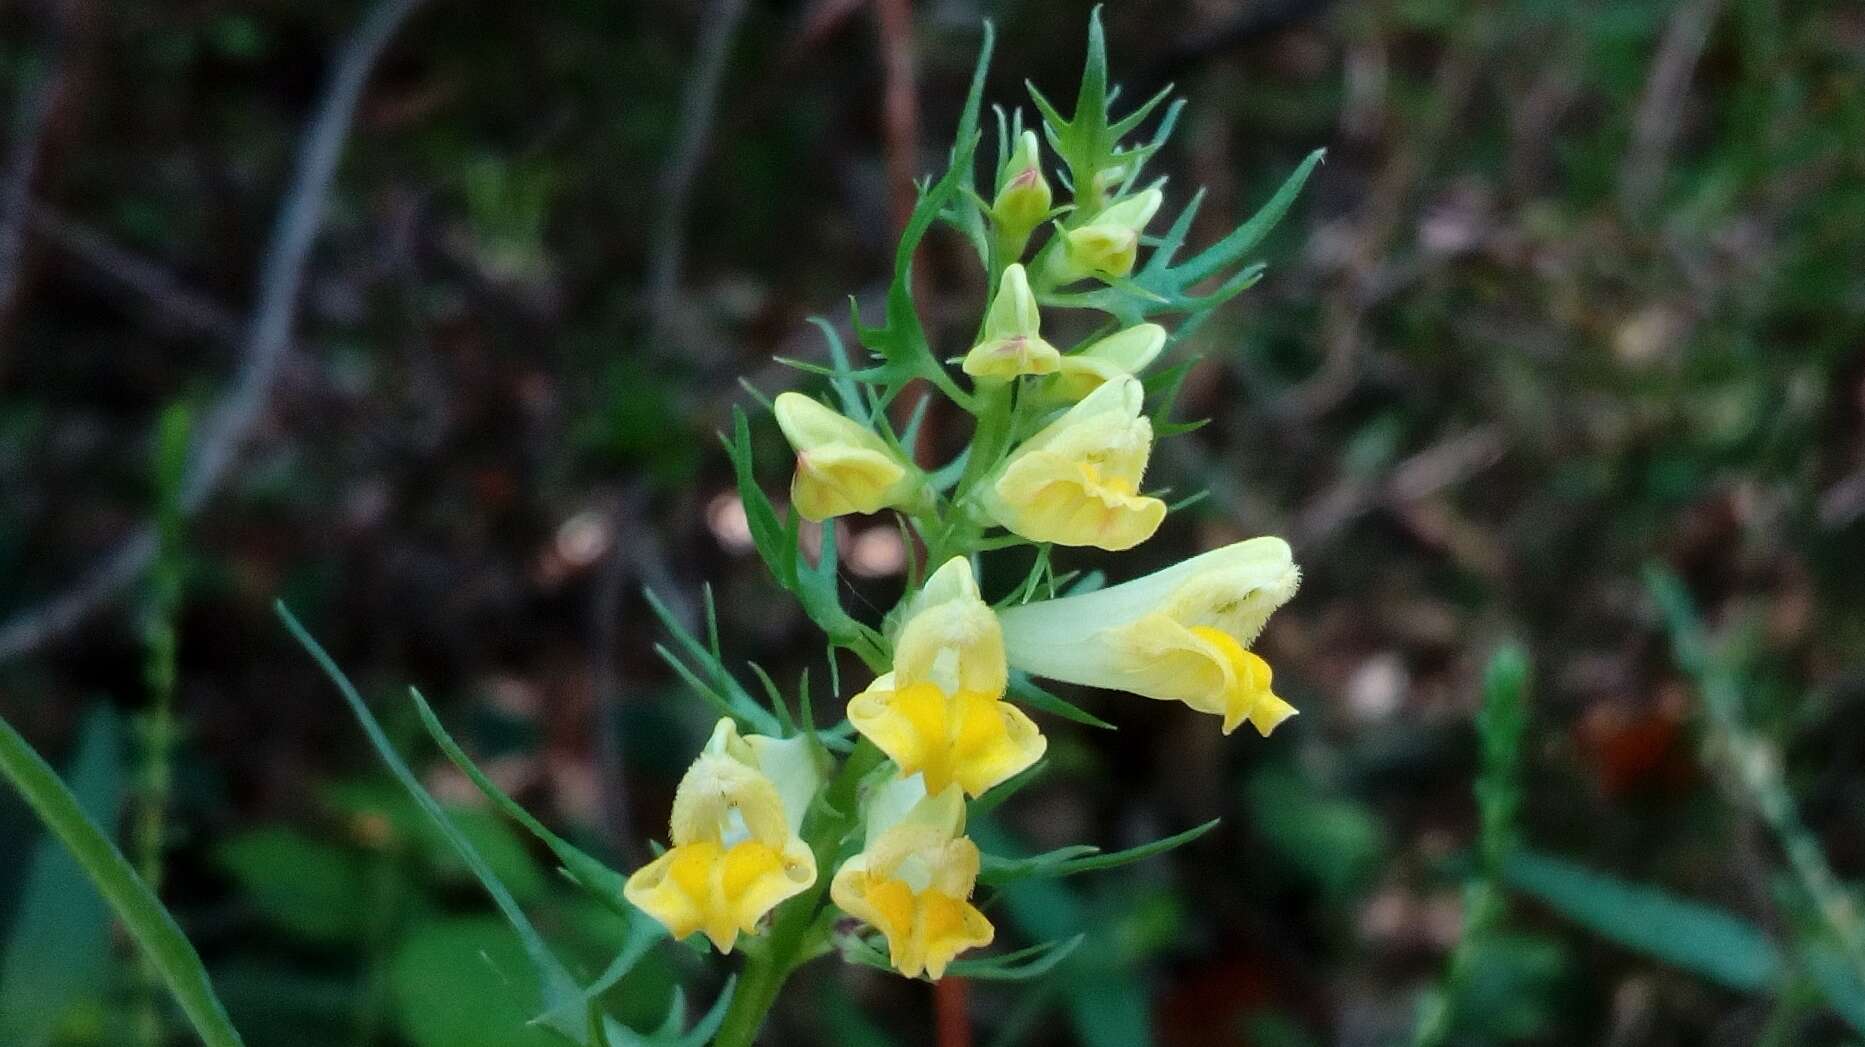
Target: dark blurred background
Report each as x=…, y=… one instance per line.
x=1579, y=289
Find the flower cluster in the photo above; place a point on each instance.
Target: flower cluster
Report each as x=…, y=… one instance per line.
x=873, y=811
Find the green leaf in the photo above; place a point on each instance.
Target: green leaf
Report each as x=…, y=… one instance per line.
x=1165, y=289
x=1025, y=690
x=1333, y=842
x=900, y=341
x=846, y=390
x=1700, y=938
x=307, y=887
x=1838, y=981
x=602, y=882
x=58, y=947
x=1080, y=858
x=993, y=799
x=711, y=680
x=1089, y=140
x=965, y=213
x=464, y=982
x=562, y=998
x=1018, y=966
x=135, y=904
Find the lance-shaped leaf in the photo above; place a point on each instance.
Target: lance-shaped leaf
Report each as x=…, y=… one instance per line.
x=1027, y=691
x=602, y=882
x=900, y=341
x=1711, y=942
x=964, y=211
x=1080, y=858
x=1089, y=141
x=814, y=585
x=1021, y=965
x=701, y=666
x=563, y=998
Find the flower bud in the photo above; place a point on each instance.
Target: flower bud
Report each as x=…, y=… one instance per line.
x=1125, y=352
x=1012, y=344
x=842, y=467
x=1023, y=195
x=1108, y=245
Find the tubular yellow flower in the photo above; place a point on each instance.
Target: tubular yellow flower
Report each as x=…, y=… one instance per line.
x=1077, y=481
x=735, y=851
x=842, y=467
x=940, y=713
x=1108, y=245
x=1012, y=342
x=1121, y=353
x=1180, y=634
x=913, y=879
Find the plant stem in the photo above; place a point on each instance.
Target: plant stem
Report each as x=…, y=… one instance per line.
x=757, y=990
x=989, y=441
x=161, y=640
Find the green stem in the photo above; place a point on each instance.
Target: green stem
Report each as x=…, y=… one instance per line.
x=157, y=783
x=988, y=441
x=161, y=640
x=135, y=904
x=763, y=976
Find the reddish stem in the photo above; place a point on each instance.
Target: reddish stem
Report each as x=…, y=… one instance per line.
x=950, y=997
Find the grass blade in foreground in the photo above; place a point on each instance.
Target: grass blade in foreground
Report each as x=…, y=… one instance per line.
x=137, y=906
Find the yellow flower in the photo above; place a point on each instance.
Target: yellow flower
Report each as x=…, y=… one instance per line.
x=842, y=467
x=1023, y=195
x=1012, y=342
x=940, y=713
x=1108, y=244
x=1077, y=481
x=735, y=851
x=1121, y=353
x=914, y=877
x=1178, y=635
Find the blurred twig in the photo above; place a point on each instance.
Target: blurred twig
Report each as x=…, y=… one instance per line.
x=1660, y=110
x=189, y=309
x=634, y=555
x=684, y=162
x=263, y=353
x=1384, y=215
x=36, y=103
x=899, y=104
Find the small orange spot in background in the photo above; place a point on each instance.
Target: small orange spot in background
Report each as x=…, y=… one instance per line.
x=1632, y=749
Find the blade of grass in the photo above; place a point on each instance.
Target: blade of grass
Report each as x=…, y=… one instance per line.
x=562, y=997
x=136, y=905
